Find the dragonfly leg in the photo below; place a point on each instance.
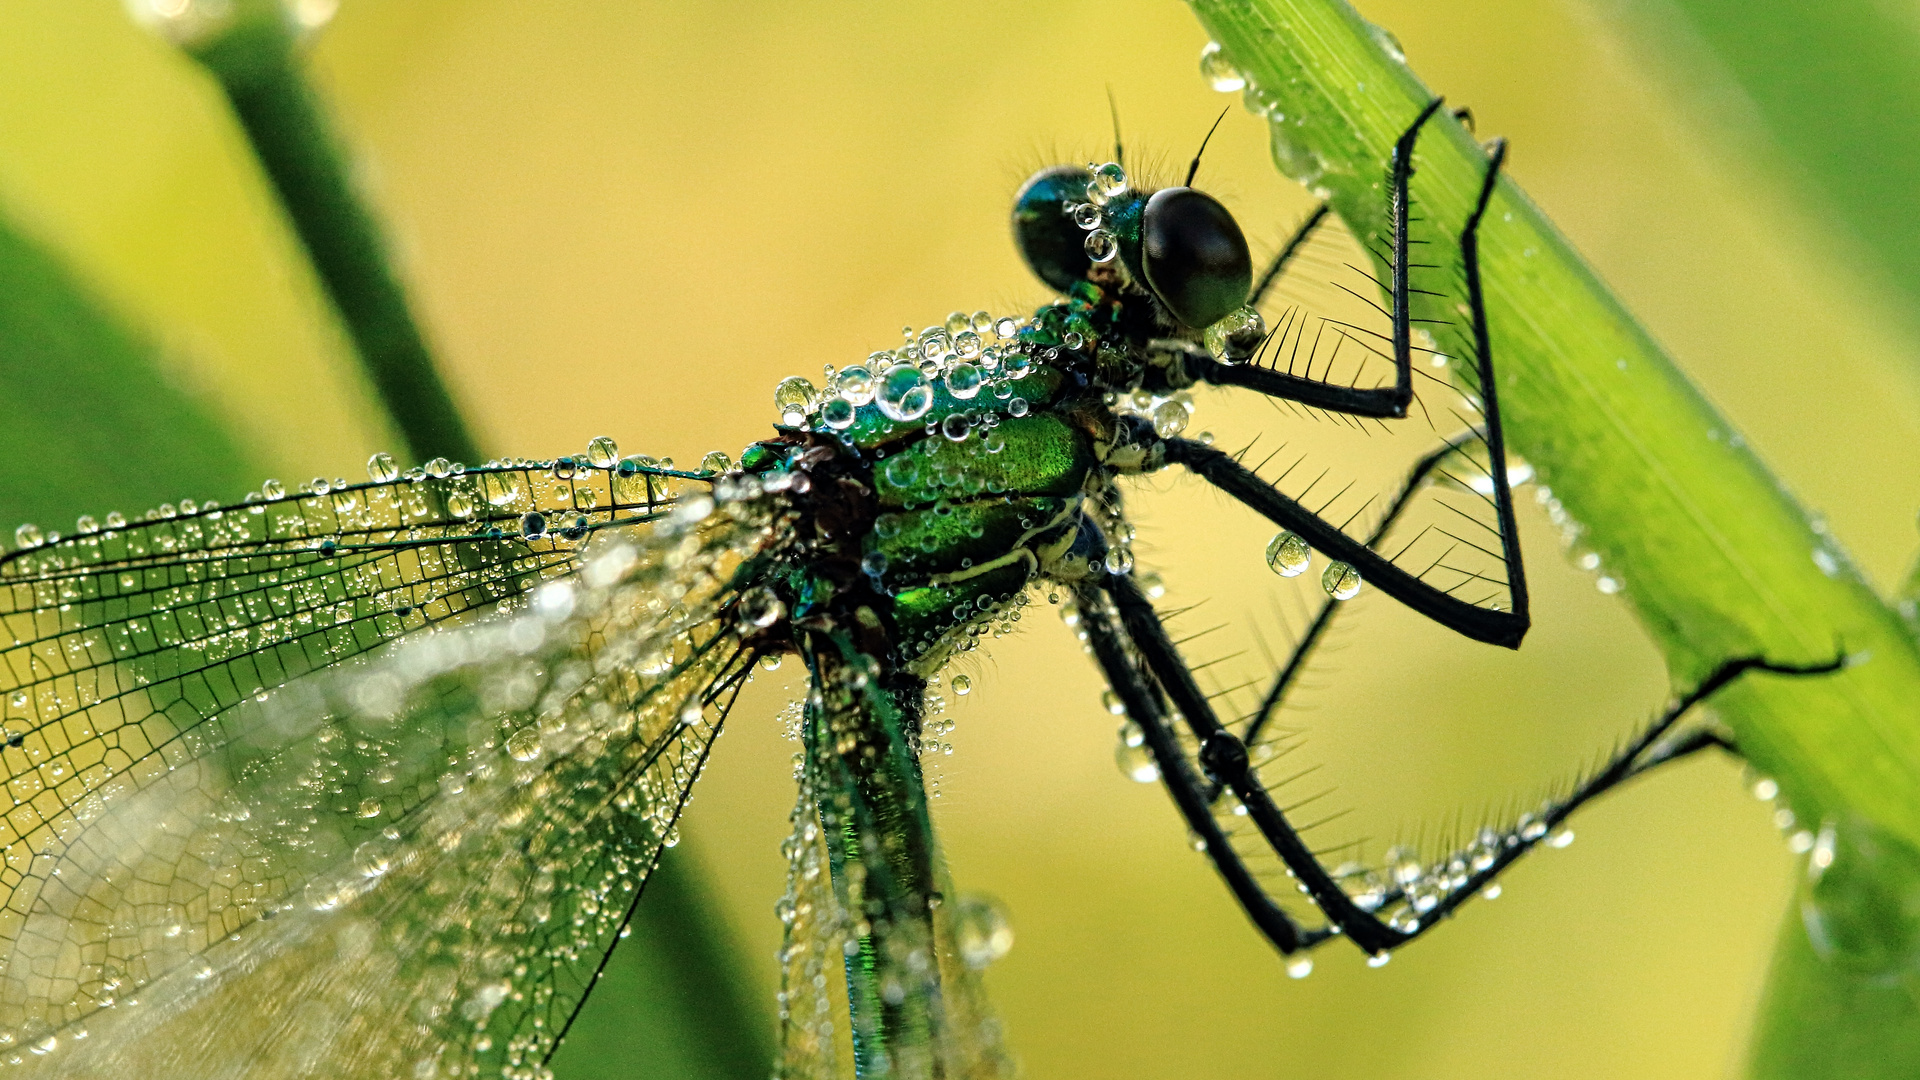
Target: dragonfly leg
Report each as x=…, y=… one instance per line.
x=1385, y=401
x=1645, y=752
x=1292, y=247
x=1224, y=759
x=1289, y=672
x=873, y=807
x=1480, y=623
x=1137, y=692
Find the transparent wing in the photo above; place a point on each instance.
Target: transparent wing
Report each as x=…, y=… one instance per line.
x=413, y=862
x=891, y=931
x=813, y=951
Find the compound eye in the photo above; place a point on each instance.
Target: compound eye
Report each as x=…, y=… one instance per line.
x=1194, y=256
x=1047, y=237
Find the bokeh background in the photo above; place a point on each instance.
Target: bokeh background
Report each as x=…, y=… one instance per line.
x=633, y=218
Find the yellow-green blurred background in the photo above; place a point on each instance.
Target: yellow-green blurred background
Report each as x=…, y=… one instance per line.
x=633, y=218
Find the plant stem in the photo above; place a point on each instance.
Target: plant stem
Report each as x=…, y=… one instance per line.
x=1716, y=558
x=256, y=63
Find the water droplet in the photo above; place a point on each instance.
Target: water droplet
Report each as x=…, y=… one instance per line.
x=1379, y=959
x=904, y=393
x=760, y=608
x=1111, y=179
x=382, y=469
x=1016, y=366
x=1101, y=247
x=1299, y=967
x=794, y=398
x=1169, y=419
x=1288, y=555
x=715, y=463
x=963, y=380
x=273, y=489
x=1017, y=407
x=1130, y=752
x=1006, y=327
x=1491, y=892
x=533, y=525
x=524, y=745
x=28, y=536
x=1341, y=581
x=1862, y=904
x=1559, y=838
x=439, y=468
x=855, y=383
x=980, y=930
x=38, y=1034
x=1766, y=789
x=1087, y=216
x=770, y=662
x=1111, y=701
x=371, y=859
x=460, y=504
x=955, y=427
x=838, y=413
x=1119, y=560
x=1220, y=74
x=1235, y=337
x=962, y=686
x=966, y=344
x=602, y=452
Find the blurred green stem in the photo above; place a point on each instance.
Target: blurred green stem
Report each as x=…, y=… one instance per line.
x=698, y=978
x=64, y=355
x=1830, y=87
x=256, y=63
x=1717, y=559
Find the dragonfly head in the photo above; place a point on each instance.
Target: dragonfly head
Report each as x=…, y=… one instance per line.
x=1178, y=245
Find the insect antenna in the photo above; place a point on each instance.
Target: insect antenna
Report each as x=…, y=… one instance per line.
x=1194, y=169
x=1113, y=109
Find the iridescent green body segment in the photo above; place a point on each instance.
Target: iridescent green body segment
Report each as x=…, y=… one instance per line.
x=969, y=486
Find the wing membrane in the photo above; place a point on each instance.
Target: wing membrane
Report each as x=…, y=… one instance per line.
x=423, y=854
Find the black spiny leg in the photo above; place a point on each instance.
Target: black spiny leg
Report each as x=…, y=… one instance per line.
x=1292, y=247
x=1382, y=401
x=1139, y=695
x=1289, y=672
x=1486, y=624
x=1223, y=757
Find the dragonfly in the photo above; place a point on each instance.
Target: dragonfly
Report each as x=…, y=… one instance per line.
x=368, y=778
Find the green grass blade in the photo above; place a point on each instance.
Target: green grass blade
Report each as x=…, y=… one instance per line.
x=1827, y=90
x=62, y=356
x=1716, y=558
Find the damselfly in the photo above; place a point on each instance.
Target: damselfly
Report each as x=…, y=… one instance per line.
x=367, y=778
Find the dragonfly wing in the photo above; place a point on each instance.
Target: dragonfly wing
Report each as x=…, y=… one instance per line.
x=884, y=917
x=813, y=952
x=411, y=865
